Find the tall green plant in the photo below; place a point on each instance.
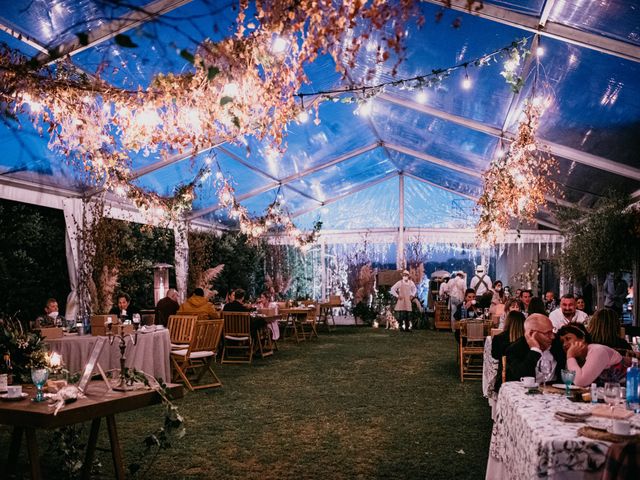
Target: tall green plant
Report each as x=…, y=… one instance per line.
x=602, y=240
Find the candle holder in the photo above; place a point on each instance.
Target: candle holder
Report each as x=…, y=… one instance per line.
x=122, y=385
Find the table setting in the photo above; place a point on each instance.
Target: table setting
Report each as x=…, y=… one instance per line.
x=543, y=432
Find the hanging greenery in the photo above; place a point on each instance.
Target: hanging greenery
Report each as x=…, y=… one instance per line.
x=605, y=239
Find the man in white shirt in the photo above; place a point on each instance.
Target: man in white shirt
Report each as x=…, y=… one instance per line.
x=567, y=313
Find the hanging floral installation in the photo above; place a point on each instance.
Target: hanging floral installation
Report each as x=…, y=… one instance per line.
x=276, y=217
x=246, y=84
x=517, y=183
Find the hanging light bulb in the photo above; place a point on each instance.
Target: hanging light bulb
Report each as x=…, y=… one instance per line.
x=466, y=82
x=303, y=117
x=540, y=51
x=279, y=45
x=365, y=108
x=421, y=97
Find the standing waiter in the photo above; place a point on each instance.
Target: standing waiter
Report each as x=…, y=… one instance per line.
x=404, y=290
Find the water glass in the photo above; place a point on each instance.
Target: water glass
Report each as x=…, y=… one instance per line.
x=611, y=396
x=544, y=369
x=568, y=376
x=39, y=378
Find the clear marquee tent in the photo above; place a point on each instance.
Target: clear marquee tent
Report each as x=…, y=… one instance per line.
x=412, y=167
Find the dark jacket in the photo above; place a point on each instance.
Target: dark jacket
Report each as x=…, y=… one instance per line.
x=236, y=306
x=164, y=309
x=522, y=361
x=131, y=309
x=499, y=345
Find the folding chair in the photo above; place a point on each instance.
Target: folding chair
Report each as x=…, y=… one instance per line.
x=181, y=330
x=238, y=344
x=471, y=349
x=198, y=357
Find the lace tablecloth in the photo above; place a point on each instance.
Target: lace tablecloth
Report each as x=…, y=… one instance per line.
x=528, y=442
x=489, y=371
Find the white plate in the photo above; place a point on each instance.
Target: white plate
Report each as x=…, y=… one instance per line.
x=6, y=397
x=562, y=385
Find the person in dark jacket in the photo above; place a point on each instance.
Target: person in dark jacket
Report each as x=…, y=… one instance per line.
x=166, y=307
x=513, y=330
x=124, y=309
x=539, y=341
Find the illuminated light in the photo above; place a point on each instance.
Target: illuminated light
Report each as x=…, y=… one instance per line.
x=148, y=118
x=303, y=116
x=421, y=97
x=34, y=106
x=55, y=360
x=572, y=59
x=193, y=117
x=371, y=46
x=500, y=152
x=272, y=155
x=206, y=174
x=365, y=108
x=540, y=51
x=230, y=89
x=466, y=82
x=279, y=45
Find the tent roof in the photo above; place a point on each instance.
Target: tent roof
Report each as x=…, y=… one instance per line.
x=346, y=169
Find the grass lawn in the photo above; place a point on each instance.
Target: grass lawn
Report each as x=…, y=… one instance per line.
x=357, y=403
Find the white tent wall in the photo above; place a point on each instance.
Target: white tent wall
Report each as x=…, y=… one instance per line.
x=519, y=259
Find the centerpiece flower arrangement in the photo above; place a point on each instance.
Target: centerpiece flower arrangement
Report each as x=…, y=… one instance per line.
x=26, y=349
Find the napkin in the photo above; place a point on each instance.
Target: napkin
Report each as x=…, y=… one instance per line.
x=572, y=416
x=605, y=411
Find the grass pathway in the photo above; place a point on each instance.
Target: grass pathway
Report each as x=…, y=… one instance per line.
x=359, y=403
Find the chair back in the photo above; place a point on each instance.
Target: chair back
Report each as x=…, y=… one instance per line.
x=237, y=324
x=181, y=328
x=474, y=331
x=206, y=336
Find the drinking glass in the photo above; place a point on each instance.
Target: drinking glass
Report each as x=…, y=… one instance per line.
x=611, y=395
x=544, y=370
x=568, y=376
x=39, y=378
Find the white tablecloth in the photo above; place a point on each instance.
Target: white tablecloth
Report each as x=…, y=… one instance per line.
x=528, y=442
x=150, y=354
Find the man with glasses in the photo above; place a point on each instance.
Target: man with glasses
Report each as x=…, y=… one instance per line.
x=538, y=344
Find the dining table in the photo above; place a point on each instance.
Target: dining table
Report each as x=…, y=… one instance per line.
x=528, y=439
x=148, y=351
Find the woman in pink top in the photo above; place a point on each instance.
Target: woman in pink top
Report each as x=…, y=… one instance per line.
x=592, y=362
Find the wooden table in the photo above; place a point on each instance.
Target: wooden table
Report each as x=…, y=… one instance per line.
x=27, y=416
x=296, y=319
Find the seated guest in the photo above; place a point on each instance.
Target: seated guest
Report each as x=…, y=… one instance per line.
x=525, y=298
x=567, y=313
x=550, y=301
x=604, y=328
x=198, y=304
x=592, y=362
x=167, y=306
x=513, y=330
x=580, y=304
x=468, y=308
x=538, y=342
x=498, y=295
x=536, y=305
x=51, y=317
x=263, y=300
x=513, y=304
x=237, y=305
x=123, y=308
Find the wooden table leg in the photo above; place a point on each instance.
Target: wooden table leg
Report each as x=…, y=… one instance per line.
x=34, y=457
x=14, y=450
x=116, y=453
x=91, y=448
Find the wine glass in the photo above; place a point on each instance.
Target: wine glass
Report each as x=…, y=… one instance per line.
x=611, y=395
x=39, y=378
x=568, y=376
x=544, y=368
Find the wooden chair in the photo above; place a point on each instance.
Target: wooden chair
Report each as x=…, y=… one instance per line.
x=200, y=354
x=442, y=316
x=472, y=334
x=181, y=329
x=238, y=343
x=311, y=321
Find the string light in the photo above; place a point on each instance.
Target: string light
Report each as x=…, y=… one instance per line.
x=421, y=97
x=279, y=45
x=466, y=82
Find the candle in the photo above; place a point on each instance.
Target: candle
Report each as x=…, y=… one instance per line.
x=56, y=360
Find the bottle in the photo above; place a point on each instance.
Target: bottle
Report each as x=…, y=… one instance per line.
x=594, y=393
x=633, y=378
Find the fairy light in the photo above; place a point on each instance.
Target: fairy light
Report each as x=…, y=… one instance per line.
x=279, y=45
x=540, y=51
x=365, y=108
x=303, y=117
x=421, y=97
x=230, y=90
x=466, y=82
